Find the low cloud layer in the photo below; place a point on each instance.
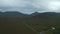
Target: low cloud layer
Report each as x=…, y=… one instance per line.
x=26, y=6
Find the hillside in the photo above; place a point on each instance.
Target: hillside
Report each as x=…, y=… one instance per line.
x=18, y=23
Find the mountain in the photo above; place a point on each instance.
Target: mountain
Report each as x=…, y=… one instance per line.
x=46, y=15
x=17, y=14
x=12, y=14
x=35, y=13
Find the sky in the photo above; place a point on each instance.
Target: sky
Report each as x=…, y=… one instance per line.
x=30, y=6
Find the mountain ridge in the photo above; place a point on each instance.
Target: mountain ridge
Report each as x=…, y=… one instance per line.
x=34, y=15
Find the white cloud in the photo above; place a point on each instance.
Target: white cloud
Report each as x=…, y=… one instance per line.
x=12, y=3
x=40, y=5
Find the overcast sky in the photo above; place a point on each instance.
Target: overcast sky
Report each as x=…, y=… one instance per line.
x=30, y=6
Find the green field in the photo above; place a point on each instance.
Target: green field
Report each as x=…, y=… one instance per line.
x=27, y=26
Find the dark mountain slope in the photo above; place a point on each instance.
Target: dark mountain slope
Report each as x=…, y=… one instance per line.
x=47, y=15
x=12, y=14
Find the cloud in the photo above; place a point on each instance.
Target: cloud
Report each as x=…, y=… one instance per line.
x=12, y=3
x=21, y=3
x=25, y=6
